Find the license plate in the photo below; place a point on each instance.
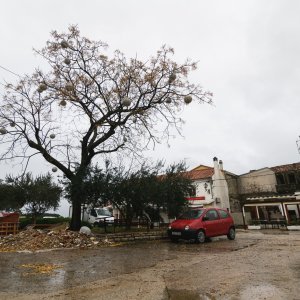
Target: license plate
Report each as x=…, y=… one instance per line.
x=176, y=233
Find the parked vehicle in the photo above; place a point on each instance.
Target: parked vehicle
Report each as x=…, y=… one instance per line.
x=98, y=215
x=199, y=224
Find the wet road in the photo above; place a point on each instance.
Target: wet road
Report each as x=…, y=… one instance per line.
x=82, y=266
x=77, y=266
x=176, y=271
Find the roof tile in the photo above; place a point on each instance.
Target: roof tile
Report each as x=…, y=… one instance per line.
x=286, y=168
x=200, y=173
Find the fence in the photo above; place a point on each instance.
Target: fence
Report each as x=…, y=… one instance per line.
x=9, y=223
x=270, y=223
x=7, y=228
x=121, y=224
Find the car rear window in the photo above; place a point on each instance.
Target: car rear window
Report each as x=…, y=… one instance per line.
x=191, y=214
x=223, y=214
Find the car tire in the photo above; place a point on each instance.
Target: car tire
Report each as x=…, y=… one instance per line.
x=174, y=240
x=96, y=224
x=200, y=237
x=231, y=234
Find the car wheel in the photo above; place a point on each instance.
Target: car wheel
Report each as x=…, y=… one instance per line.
x=96, y=224
x=174, y=240
x=200, y=237
x=231, y=234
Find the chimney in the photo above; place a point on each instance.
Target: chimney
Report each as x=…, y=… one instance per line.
x=220, y=187
x=221, y=165
x=216, y=165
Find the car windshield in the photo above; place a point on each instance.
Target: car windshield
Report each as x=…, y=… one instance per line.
x=191, y=214
x=103, y=212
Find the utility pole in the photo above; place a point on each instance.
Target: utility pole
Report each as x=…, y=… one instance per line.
x=298, y=144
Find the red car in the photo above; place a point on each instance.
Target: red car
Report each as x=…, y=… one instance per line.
x=199, y=224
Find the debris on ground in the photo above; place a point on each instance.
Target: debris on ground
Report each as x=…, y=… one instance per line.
x=38, y=239
x=85, y=230
x=39, y=268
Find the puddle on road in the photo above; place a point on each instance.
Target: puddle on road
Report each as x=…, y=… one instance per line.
x=79, y=267
x=75, y=266
x=251, y=292
x=214, y=246
x=261, y=292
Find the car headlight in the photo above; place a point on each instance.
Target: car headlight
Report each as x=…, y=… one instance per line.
x=170, y=227
x=187, y=227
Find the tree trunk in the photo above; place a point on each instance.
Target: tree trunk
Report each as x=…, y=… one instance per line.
x=75, y=223
x=129, y=216
x=77, y=198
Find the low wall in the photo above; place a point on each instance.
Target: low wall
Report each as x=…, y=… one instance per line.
x=238, y=218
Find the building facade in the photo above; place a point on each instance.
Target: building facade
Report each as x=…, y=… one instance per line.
x=268, y=195
x=271, y=195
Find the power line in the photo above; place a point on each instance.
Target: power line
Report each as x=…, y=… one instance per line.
x=7, y=70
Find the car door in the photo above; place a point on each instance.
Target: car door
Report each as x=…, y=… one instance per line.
x=211, y=223
x=225, y=221
x=92, y=216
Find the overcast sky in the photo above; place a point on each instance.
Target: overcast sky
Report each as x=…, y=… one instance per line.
x=248, y=53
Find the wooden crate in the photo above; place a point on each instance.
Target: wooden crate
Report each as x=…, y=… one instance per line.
x=9, y=223
x=7, y=228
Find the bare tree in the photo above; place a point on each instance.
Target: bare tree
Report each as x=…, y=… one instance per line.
x=88, y=105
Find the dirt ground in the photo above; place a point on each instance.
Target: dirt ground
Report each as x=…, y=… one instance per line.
x=257, y=265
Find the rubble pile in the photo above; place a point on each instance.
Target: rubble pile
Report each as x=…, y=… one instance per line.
x=37, y=239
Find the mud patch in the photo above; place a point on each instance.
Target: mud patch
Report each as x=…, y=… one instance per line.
x=185, y=294
x=244, y=247
x=296, y=268
x=261, y=292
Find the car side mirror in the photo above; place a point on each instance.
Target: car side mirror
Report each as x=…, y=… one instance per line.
x=205, y=218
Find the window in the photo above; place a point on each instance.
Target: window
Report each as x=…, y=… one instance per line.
x=93, y=212
x=212, y=215
x=191, y=214
x=192, y=192
x=103, y=212
x=280, y=179
x=223, y=214
x=292, y=178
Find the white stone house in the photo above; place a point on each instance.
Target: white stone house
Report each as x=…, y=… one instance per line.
x=211, y=187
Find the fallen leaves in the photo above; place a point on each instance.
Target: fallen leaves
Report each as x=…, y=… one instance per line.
x=39, y=269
